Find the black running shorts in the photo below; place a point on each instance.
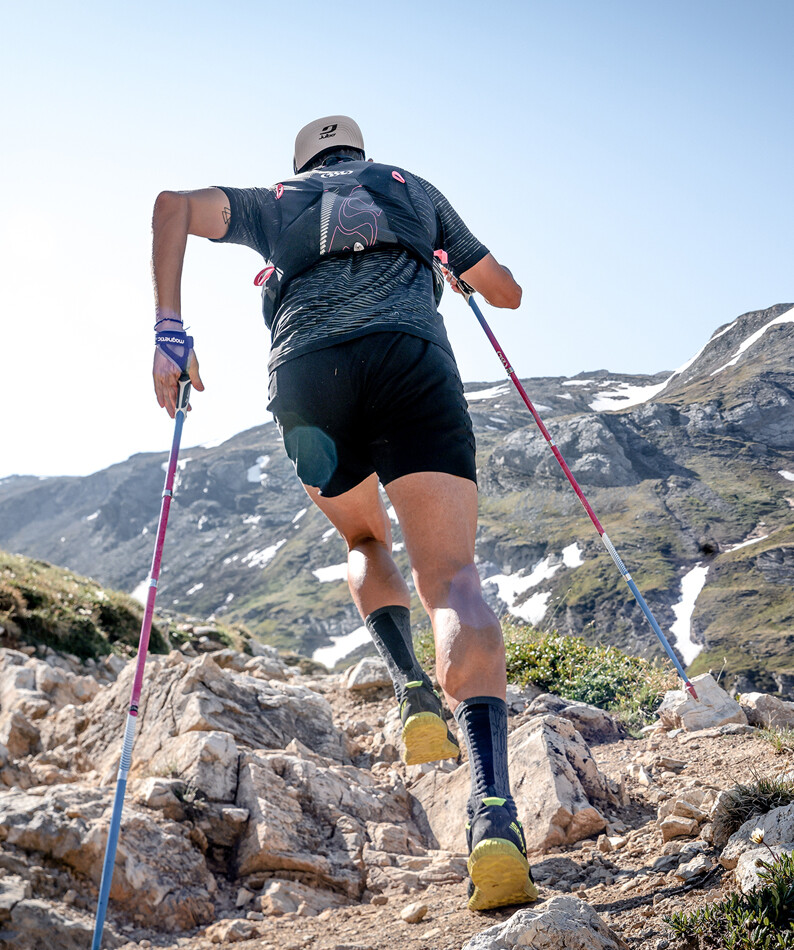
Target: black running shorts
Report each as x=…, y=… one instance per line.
x=390, y=403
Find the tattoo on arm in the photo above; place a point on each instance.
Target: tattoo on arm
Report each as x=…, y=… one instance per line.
x=227, y=216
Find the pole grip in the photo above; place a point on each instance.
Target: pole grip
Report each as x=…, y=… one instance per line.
x=183, y=396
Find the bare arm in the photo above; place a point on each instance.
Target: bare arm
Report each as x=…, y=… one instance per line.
x=495, y=282
x=204, y=213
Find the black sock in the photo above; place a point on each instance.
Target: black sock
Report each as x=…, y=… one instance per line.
x=483, y=722
x=390, y=629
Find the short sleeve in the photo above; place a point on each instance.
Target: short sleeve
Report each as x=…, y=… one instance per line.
x=462, y=247
x=248, y=219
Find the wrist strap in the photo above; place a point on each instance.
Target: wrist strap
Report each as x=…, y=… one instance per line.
x=168, y=320
x=176, y=345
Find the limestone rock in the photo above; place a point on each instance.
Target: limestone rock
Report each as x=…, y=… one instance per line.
x=19, y=736
x=309, y=816
x=206, y=759
x=764, y=710
x=233, y=931
x=676, y=827
x=595, y=724
x=291, y=897
x=12, y=890
x=562, y=923
x=697, y=867
x=159, y=876
x=713, y=708
x=752, y=862
x=413, y=913
x=369, y=673
x=555, y=782
x=182, y=697
x=777, y=827
x=36, y=924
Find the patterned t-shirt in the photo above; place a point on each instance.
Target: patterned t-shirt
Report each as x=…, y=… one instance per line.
x=351, y=295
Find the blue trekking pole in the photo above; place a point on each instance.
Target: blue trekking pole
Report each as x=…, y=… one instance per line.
x=468, y=293
x=143, y=648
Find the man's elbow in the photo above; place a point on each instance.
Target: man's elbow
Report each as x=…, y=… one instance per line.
x=169, y=203
x=508, y=298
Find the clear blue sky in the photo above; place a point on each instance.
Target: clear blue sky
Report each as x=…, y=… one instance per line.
x=630, y=161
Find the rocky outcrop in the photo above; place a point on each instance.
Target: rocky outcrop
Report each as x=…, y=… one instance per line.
x=713, y=707
x=193, y=696
x=563, y=923
x=557, y=786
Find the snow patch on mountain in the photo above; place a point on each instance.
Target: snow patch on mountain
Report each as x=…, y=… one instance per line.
x=692, y=584
x=255, y=473
x=341, y=647
x=487, y=393
x=263, y=557
x=334, y=572
x=787, y=317
x=626, y=395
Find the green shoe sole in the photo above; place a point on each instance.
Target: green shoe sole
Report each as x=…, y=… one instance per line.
x=426, y=739
x=500, y=876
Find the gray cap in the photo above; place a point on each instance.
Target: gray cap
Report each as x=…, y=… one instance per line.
x=326, y=133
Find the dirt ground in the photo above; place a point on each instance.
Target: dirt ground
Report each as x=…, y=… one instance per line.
x=631, y=888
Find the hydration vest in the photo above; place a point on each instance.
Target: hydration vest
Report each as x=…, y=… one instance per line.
x=344, y=208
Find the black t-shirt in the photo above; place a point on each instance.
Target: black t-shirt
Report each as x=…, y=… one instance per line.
x=351, y=295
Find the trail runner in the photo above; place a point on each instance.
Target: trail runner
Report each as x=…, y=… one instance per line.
x=365, y=390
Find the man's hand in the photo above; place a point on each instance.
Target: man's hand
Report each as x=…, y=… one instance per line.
x=166, y=379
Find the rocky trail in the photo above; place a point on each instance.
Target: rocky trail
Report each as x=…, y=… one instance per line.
x=268, y=808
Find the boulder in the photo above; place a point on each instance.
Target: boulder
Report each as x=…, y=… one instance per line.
x=714, y=707
x=554, y=779
x=159, y=876
x=754, y=861
x=36, y=924
x=675, y=827
x=207, y=760
x=595, y=724
x=369, y=673
x=291, y=897
x=562, y=923
x=19, y=736
x=777, y=827
x=764, y=710
x=181, y=697
x=234, y=931
x=308, y=817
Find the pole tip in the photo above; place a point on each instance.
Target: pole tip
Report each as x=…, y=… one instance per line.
x=691, y=690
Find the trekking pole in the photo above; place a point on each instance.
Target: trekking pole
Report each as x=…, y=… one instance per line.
x=143, y=648
x=468, y=293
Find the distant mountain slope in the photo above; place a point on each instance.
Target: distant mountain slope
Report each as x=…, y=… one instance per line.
x=681, y=468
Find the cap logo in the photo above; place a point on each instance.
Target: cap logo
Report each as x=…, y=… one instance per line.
x=328, y=131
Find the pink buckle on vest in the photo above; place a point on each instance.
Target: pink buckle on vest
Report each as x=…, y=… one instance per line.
x=263, y=275
x=398, y=177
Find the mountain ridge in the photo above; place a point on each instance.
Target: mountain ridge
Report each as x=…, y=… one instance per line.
x=680, y=468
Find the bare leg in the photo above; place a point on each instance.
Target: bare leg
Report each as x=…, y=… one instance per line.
x=438, y=517
x=360, y=517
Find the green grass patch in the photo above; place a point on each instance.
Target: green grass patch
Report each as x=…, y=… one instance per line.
x=631, y=687
x=42, y=604
x=781, y=739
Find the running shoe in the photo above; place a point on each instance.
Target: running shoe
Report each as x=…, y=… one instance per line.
x=498, y=867
x=425, y=735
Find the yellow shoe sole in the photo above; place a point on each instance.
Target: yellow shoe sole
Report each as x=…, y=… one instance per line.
x=500, y=875
x=425, y=739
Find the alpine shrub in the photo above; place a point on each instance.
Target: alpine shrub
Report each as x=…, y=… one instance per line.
x=760, y=920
